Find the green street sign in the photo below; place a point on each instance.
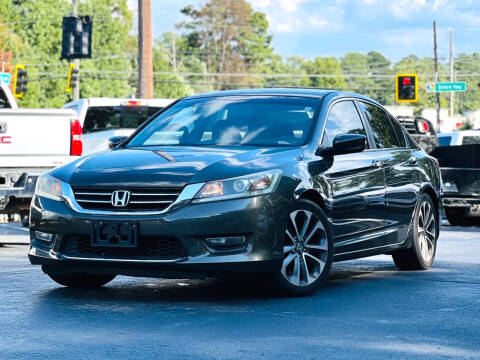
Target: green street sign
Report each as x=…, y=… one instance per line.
x=5, y=78
x=446, y=86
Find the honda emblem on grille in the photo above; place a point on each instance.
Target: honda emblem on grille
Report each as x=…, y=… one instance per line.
x=120, y=198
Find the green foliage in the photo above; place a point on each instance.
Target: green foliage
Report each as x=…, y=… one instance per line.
x=468, y=64
x=425, y=65
x=223, y=44
x=38, y=25
x=229, y=37
x=111, y=23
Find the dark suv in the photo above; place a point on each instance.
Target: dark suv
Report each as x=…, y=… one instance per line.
x=274, y=181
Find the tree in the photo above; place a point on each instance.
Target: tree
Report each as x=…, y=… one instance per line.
x=230, y=38
x=468, y=64
x=170, y=84
x=38, y=26
x=324, y=66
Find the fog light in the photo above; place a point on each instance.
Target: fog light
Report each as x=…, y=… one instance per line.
x=227, y=240
x=39, y=235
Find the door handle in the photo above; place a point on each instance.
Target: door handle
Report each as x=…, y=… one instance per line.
x=377, y=163
x=413, y=161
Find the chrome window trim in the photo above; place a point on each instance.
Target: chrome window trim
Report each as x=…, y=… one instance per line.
x=186, y=194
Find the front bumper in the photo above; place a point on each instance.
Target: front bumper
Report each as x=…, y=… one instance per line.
x=16, y=196
x=261, y=220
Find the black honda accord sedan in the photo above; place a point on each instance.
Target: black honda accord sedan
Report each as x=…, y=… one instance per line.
x=274, y=181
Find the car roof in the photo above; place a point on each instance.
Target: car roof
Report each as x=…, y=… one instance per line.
x=307, y=92
x=285, y=91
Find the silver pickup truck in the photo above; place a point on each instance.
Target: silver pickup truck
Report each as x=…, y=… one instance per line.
x=32, y=141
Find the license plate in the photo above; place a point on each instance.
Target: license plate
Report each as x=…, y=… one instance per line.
x=474, y=209
x=114, y=234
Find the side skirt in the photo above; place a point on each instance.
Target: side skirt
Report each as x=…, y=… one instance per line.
x=386, y=249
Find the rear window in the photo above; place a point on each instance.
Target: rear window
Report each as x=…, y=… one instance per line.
x=100, y=118
x=472, y=139
x=4, y=104
x=444, y=140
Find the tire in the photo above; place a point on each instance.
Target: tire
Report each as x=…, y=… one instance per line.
x=25, y=219
x=82, y=281
x=308, y=251
x=421, y=254
x=458, y=217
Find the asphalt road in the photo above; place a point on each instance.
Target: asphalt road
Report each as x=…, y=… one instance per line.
x=367, y=310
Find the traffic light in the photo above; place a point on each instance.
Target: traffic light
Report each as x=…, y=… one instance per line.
x=77, y=37
x=19, y=81
x=406, y=87
x=72, y=79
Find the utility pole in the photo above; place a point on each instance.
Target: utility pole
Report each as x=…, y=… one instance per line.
x=145, y=57
x=451, y=72
x=435, y=53
x=76, y=62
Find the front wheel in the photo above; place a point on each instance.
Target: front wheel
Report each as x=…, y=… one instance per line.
x=307, y=250
x=82, y=281
x=421, y=254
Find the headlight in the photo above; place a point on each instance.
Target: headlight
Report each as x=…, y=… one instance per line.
x=239, y=187
x=49, y=187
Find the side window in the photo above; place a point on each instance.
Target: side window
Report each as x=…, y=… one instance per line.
x=399, y=131
x=382, y=128
x=343, y=119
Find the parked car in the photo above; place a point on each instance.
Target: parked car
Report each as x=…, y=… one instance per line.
x=421, y=130
x=464, y=137
x=275, y=181
x=103, y=118
x=459, y=158
x=32, y=141
x=7, y=100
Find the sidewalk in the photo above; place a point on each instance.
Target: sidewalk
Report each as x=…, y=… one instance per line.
x=14, y=234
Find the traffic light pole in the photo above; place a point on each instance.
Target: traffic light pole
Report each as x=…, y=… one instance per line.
x=76, y=62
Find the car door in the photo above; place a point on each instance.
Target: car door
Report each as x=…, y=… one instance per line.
x=399, y=166
x=357, y=185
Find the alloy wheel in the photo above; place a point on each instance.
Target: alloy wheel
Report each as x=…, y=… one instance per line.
x=426, y=232
x=305, y=249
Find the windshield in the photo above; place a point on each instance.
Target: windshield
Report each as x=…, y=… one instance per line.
x=232, y=120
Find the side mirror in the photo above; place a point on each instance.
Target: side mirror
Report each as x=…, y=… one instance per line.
x=113, y=142
x=348, y=143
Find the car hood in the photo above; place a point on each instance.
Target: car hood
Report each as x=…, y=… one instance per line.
x=171, y=166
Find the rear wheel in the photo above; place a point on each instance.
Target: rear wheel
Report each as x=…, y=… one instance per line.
x=83, y=281
x=421, y=254
x=307, y=250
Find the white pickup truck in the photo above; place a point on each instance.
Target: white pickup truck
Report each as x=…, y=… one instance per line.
x=104, y=118
x=32, y=141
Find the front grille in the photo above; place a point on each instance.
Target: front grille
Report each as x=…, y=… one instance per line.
x=141, y=199
x=409, y=125
x=149, y=248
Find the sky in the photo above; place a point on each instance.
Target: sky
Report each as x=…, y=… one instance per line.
x=395, y=28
